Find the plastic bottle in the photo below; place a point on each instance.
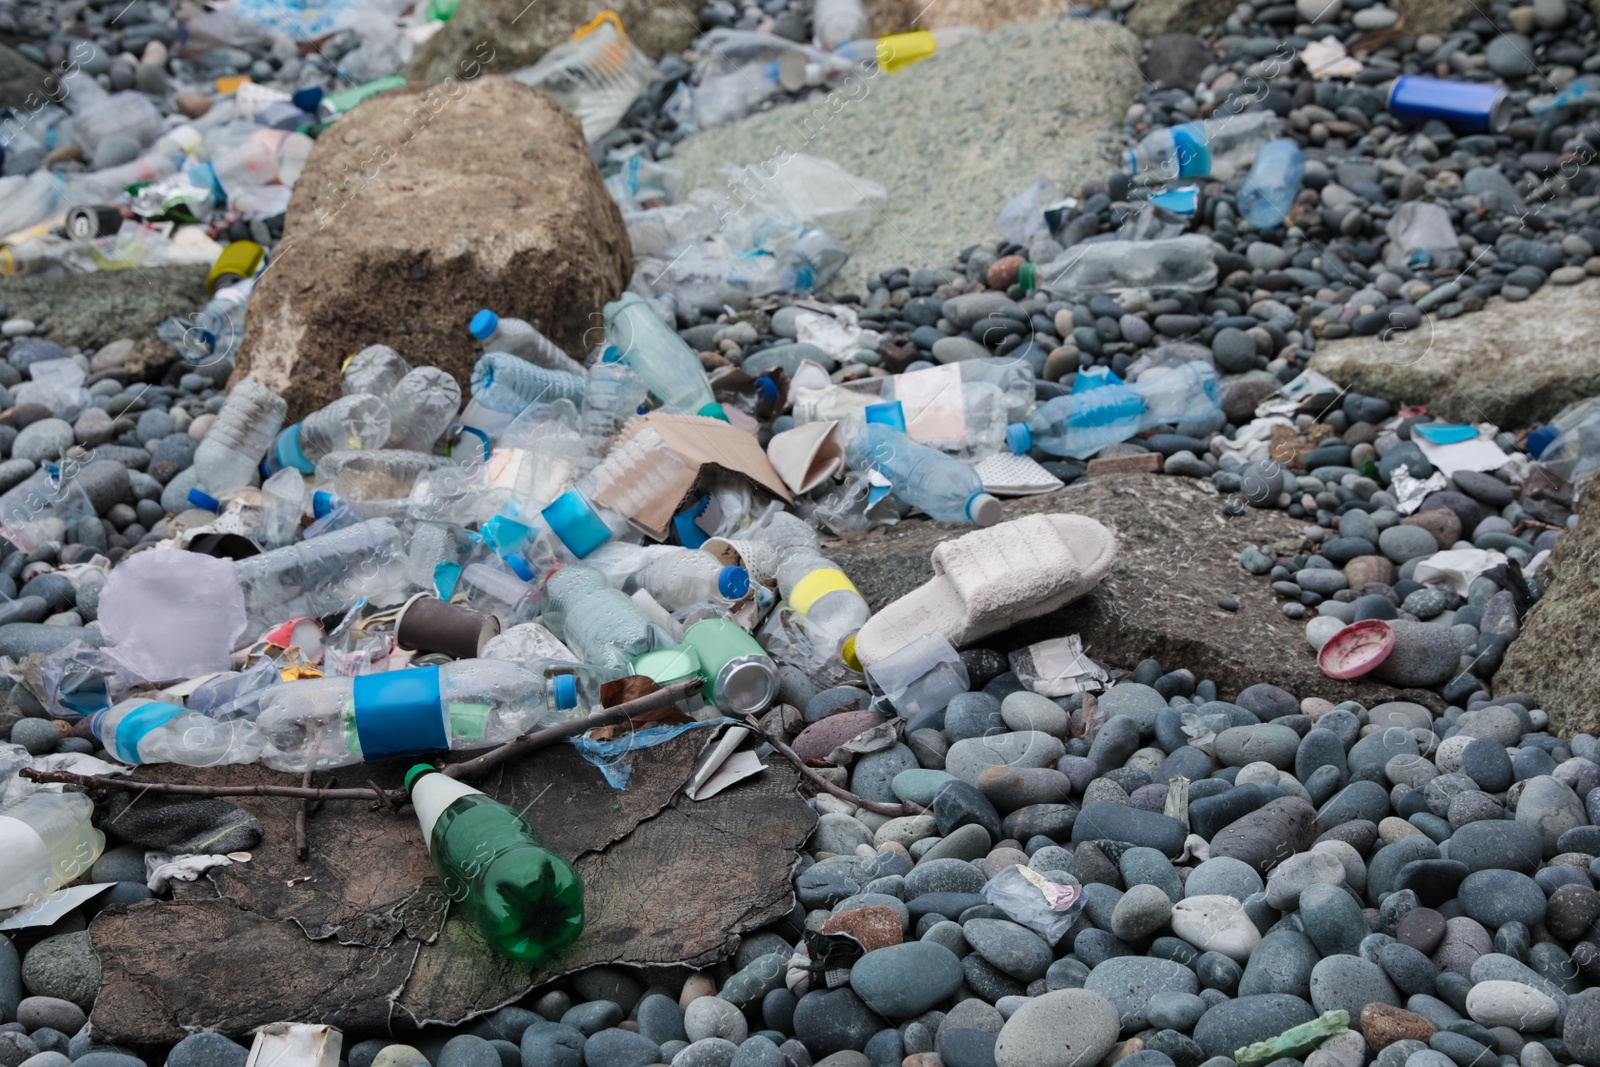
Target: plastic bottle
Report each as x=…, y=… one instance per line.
x=143, y=731
x=597, y=508
x=421, y=407
x=601, y=624
x=376, y=369
x=50, y=842
x=508, y=383
x=283, y=503
x=669, y=367
x=521, y=339
x=46, y=506
x=836, y=21
x=360, y=420
x=215, y=331
x=371, y=481
x=228, y=455
x=939, y=410
x=1275, y=178
x=818, y=591
x=322, y=723
x=689, y=576
x=525, y=900
x=613, y=393
x=1081, y=424
x=1200, y=148
x=597, y=75
x=923, y=477
x=1187, y=262
x=512, y=598
x=897, y=51
x=324, y=575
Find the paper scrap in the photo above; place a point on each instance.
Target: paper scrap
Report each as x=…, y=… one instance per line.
x=836, y=333
x=302, y=1044
x=1326, y=58
x=722, y=763
x=54, y=907
x=1477, y=453
x=701, y=442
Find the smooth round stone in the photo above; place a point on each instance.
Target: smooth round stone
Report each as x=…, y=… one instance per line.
x=1494, y=844
x=1223, y=876
x=1128, y=982
x=1550, y=807
x=707, y=1052
x=1142, y=911
x=1486, y=762
x=396, y=1056
x=972, y=715
x=1062, y=1028
x=44, y=440
x=1402, y=543
x=714, y=1017
x=1138, y=702
x=1332, y=919
x=1169, y=1010
x=1030, y=711
x=1421, y=928
x=903, y=981
x=1510, y=55
x=1465, y=942
x=1350, y=983
x=1011, y=948
x=969, y=758
x=1497, y=897
x=1294, y=875
x=1240, y=746
x=1233, y=1024
x=919, y=785
x=1411, y=971
x=1521, y=1007
x=835, y=1020
x=1216, y=924
x=1423, y=656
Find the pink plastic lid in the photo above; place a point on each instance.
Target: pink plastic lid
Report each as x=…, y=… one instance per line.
x=1358, y=649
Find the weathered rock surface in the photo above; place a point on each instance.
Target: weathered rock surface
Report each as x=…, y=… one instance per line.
x=876, y=127
x=1176, y=555
x=1510, y=364
x=897, y=16
x=90, y=310
x=428, y=204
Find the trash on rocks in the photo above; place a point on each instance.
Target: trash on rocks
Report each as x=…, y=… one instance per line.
x=1296, y=1041
x=1274, y=179
x=1411, y=492
x=1421, y=234
x=1058, y=668
x=1356, y=650
x=597, y=75
x=50, y=841
x=303, y=1044
x=1469, y=448
x=1326, y=58
x=163, y=869
x=1115, y=267
x=1025, y=214
x=1219, y=147
x=1458, y=567
x=1466, y=107
x=1046, y=908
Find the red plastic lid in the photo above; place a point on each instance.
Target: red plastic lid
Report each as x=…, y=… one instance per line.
x=1358, y=649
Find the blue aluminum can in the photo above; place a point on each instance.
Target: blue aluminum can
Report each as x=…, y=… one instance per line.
x=1466, y=107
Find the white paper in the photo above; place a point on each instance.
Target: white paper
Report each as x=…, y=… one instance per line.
x=1478, y=454
x=721, y=764
x=1457, y=567
x=299, y=1044
x=52, y=908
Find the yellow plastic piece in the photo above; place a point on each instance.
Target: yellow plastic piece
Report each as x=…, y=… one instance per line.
x=816, y=585
x=242, y=258
x=231, y=84
x=899, y=50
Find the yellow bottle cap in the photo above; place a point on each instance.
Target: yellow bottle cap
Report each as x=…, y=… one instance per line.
x=899, y=50
x=848, y=653
x=240, y=258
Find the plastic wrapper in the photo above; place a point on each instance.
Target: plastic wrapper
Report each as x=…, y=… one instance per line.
x=597, y=75
x=1058, y=668
x=1575, y=449
x=79, y=680
x=1047, y=908
x=1421, y=235
x=1186, y=263
x=58, y=385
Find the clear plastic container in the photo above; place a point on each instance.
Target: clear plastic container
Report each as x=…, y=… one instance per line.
x=601, y=624
x=228, y=455
x=1269, y=191
x=944, y=487
x=373, y=482
x=46, y=506
x=140, y=731
x=688, y=576
x=920, y=678
x=1203, y=147
x=376, y=369
x=1082, y=423
x=283, y=504
x=324, y=575
x=520, y=338
x=511, y=598
x=833, y=609
x=421, y=408
x=323, y=723
x=360, y=420
x=49, y=841
x=670, y=368
x=1187, y=263
x=597, y=75
x=508, y=383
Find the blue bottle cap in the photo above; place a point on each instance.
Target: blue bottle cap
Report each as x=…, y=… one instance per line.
x=204, y=500
x=519, y=567
x=287, y=451
x=564, y=688
x=576, y=523
x=890, y=414
x=484, y=323
x=322, y=502
x=611, y=355
x=1019, y=438
x=308, y=99
x=768, y=388
x=1540, y=439
x=733, y=583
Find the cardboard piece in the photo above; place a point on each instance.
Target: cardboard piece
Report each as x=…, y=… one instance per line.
x=701, y=442
x=807, y=455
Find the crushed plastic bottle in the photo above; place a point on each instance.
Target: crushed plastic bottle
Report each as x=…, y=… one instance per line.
x=600, y=623
x=525, y=900
x=1082, y=423
x=247, y=425
x=1275, y=178
x=1206, y=147
x=422, y=405
x=923, y=477
x=46, y=506
x=510, y=597
x=509, y=384
x=598, y=507
x=497, y=334
x=324, y=575
x=140, y=730
x=613, y=393
x=360, y=420
x=1187, y=263
x=376, y=369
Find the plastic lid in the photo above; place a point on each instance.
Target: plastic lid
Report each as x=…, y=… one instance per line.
x=577, y=524
x=520, y=567
x=1358, y=649
x=307, y=99
x=204, y=500
x=847, y=652
x=610, y=355
x=1540, y=439
x=564, y=688
x=890, y=414
x=322, y=502
x=713, y=410
x=484, y=323
x=733, y=583
x=417, y=772
x=768, y=387
x=983, y=509
x=1019, y=438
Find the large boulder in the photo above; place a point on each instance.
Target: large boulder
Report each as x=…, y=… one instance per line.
x=506, y=35
x=1553, y=655
x=949, y=170
x=422, y=206
x=1511, y=363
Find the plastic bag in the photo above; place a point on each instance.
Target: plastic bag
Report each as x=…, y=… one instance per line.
x=128, y=114
x=58, y=385
x=1023, y=215
x=1047, y=908
x=811, y=191
x=1420, y=235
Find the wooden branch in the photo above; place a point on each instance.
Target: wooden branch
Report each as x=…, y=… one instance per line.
x=301, y=848
x=379, y=797
x=810, y=775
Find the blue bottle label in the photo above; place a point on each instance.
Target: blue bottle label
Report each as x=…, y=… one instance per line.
x=400, y=713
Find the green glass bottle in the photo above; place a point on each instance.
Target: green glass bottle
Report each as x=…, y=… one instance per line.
x=527, y=901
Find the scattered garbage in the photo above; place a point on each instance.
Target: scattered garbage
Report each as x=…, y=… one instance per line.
x=1467, y=107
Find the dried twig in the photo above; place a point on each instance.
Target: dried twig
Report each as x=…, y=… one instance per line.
x=301, y=848
x=380, y=797
x=810, y=775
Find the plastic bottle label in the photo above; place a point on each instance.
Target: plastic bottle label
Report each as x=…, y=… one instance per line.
x=816, y=585
x=400, y=713
x=122, y=730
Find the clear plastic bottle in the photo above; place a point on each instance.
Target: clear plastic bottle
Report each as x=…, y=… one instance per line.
x=421, y=407
x=324, y=575
x=230, y=452
x=613, y=393
x=372, y=481
x=521, y=339
x=525, y=900
x=940, y=410
x=283, y=504
x=597, y=508
x=836, y=21
x=50, y=842
x=833, y=609
x=512, y=598
x=944, y=487
x=508, y=383
x=323, y=723
x=601, y=624
x=1200, y=148
x=215, y=331
x=688, y=576
x=139, y=730
x=669, y=367
x=359, y=420
x=1187, y=262
x=376, y=369
x=1081, y=424
x=1275, y=178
